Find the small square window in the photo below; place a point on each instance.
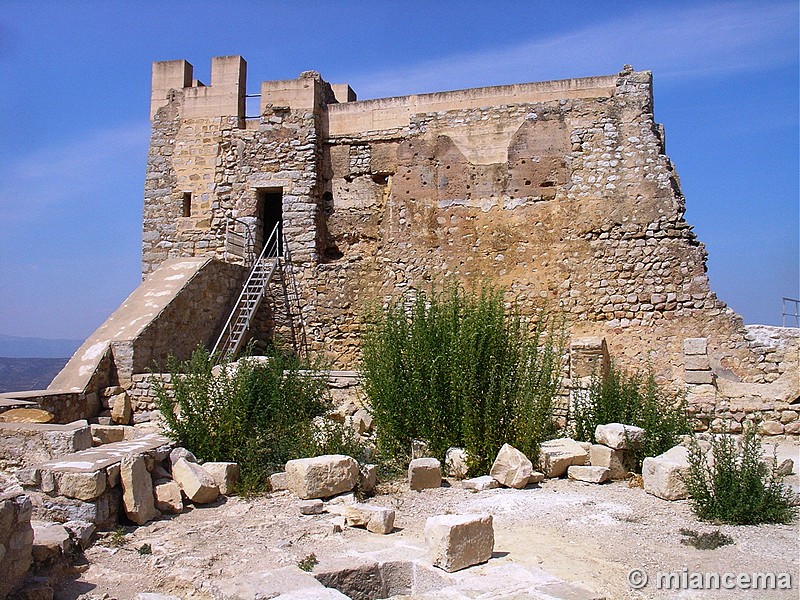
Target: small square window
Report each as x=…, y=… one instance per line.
x=187, y=204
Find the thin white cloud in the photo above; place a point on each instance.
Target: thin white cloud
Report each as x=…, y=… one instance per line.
x=74, y=170
x=702, y=41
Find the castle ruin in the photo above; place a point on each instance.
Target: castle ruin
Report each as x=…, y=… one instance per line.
x=560, y=191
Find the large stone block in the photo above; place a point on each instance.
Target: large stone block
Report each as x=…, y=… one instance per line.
x=197, y=485
x=424, y=474
x=663, y=475
x=82, y=485
x=589, y=474
x=511, y=467
x=619, y=436
x=321, y=477
x=692, y=346
x=618, y=462
x=137, y=490
x=376, y=519
x=556, y=456
x=225, y=474
x=459, y=541
x=122, y=411
x=168, y=498
x=479, y=484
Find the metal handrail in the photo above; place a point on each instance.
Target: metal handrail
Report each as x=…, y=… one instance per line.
x=268, y=252
x=249, y=239
x=795, y=314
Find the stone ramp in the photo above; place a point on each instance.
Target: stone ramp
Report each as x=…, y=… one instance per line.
x=127, y=323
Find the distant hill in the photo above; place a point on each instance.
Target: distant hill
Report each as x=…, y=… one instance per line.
x=31, y=347
x=20, y=374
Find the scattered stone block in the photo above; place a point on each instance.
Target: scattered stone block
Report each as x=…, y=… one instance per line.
x=556, y=456
x=168, y=498
x=225, y=474
x=137, y=490
x=321, y=477
x=424, y=474
x=511, y=467
x=311, y=507
x=376, y=519
x=81, y=532
x=619, y=462
x=459, y=541
x=455, y=463
x=620, y=437
x=368, y=478
x=785, y=467
x=536, y=477
x=589, y=474
x=121, y=411
x=26, y=415
x=195, y=483
x=50, y=540
x=479, y=484
x=278, y=482
x=663, y=475
x=178, y=453
x=360, y=577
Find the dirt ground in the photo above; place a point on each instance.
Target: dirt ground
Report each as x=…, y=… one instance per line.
x=578, y=533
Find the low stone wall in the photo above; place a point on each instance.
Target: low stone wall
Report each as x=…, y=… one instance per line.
x=27, y=444
x=65, y=407
x=16, y=541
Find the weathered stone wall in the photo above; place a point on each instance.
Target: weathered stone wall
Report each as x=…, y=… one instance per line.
x=559, y=191
x=16, y=540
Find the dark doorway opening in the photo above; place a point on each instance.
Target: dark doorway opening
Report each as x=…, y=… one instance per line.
x=270, y=212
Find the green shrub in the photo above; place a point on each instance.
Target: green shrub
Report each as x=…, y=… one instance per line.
x=456, y=368
x=631, y=399
x=737, y=486
x=259, y=414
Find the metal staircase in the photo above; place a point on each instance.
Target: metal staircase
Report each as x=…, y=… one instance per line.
x=238, y=324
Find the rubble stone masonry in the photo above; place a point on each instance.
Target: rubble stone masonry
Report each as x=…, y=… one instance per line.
x=559, y=191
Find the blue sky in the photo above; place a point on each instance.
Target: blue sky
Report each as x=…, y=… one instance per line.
x=75, y=85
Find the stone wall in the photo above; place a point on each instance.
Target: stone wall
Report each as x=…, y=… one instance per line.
x=559, y=191
x=16, y=540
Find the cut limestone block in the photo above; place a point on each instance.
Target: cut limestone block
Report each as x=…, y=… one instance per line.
x=278, y=482
x=589, y=474
x=695, y=346
x=511, y=468
x=137, y=490
x=168, y=498
x=619, y=462
x=225, y=475
x=479, y=484
x=556, y=456
x=321, y=477
x=368, y=478
x=455, y=463
x=536, y=477
x=81, y=532
x=195, y=482
x=121, y=412
x=49, y=540
x=376, y=519
x=424, y=474
x=663, y=475
x=459, y=541
x=107, y=434
x=311, y=507
x=619, y=436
